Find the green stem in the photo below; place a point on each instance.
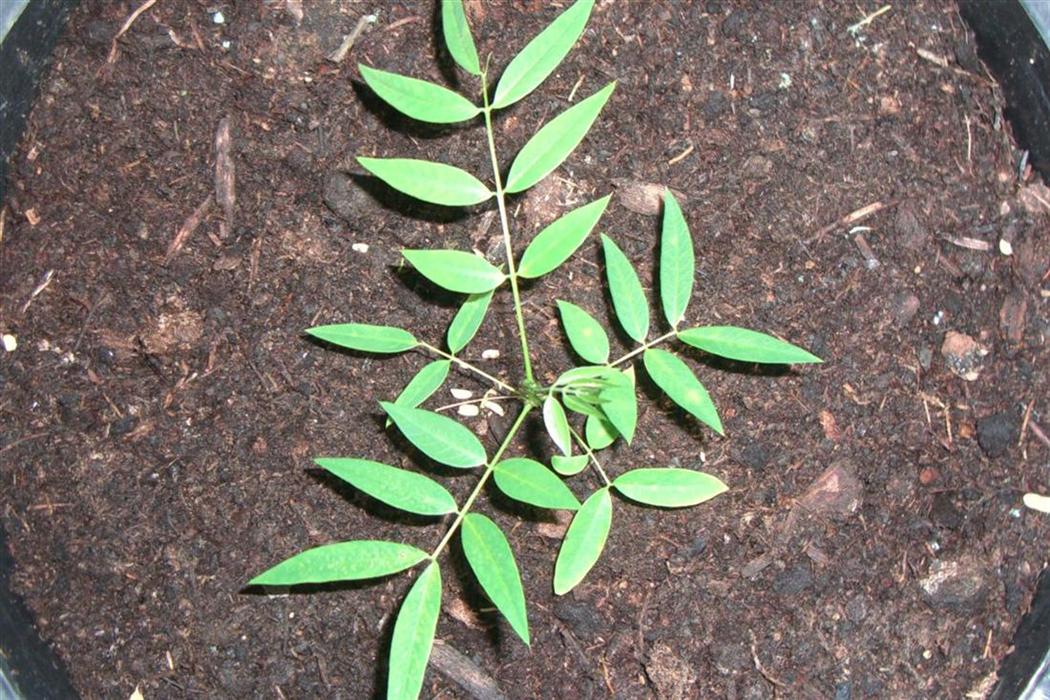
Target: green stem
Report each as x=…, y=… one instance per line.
x=466, y=365
x=594, y=460
x=505, y=225
x=481, y=482
x=644, y=347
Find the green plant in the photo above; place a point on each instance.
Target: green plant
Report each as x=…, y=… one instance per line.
x=601, y=392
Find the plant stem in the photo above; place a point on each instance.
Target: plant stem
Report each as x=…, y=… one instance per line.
x=466, y=365
x=505, y=225
x=594, y=460
x=481, y=482
x=644, y=347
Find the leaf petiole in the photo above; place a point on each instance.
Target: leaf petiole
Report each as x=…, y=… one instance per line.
x=590, y=454
x=466, y=365
x=643, y=347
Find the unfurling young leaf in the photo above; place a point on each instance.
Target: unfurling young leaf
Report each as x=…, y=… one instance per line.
x=528, y=481
x=437, y=436
x=586, y=335
x=414, y=635
x=557, y=424
x=542, y=55
x=553, y=143
x=492, y=561
x=746, y=345
x=554, y=244
x=342, y=561
x=584, y=541
x=677, y=263
x=676, y=380
x=423, y=385
x=436, y=183
x=456, y=270
x=467, y=321
x=668, y=488
x=569, y=466
x=629, y=303
x=399, y=488
x=599, y=432
x=419, y=99
x=619, y=403
x=457, y=36
x=365, y=337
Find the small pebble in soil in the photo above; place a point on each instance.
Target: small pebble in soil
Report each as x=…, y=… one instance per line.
x=997, y=432
x=837, y=492
x=122, y=426
x=793, y=581
x=905, y=306
x=963, y=355
x=960, y=583
x=10, y=342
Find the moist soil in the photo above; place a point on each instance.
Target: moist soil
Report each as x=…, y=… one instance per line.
x=856, y=193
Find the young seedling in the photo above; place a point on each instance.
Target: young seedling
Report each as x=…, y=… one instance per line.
x=584, y=411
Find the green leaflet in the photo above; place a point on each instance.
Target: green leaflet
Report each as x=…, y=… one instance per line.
x=553, y=143
x=365, y=337
x=342, y=561
x=745, y=345
x=599, y=432
x=436, y=183
x=554, y=244
x=557, y=424
x=467, y=321
x=676, y=380
x=423, y=385
x=456, y=270
x=528, y=481
x=586, y=335
x=414, y=635
x=569, y=466
x=437, y=436
x=677, y=263
x=457, y=36
x=492, y=561
x=542, y=55
x=668, y=488
x=629, y=303
x=399, y=488
x=419, y=99
x=584, y=541
x=619, y=403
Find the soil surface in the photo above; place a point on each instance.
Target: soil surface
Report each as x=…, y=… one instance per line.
x=858, y=194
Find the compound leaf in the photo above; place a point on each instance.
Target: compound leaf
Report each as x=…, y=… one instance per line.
x=584, y=541
x=399, y=488
x=342, y=561
x=676, y=380
x=456, y=270
x=619, y=403
x=586, y=335
x=553, y=143
x=467, y=321
x=745, y=345
x=554, y=244
x=414, y=635
x=419, y=99
x=492, y=561
x=629, y=303
x=436, y=183
x=365, y=337
x=599, y=432
x=457, y=36
x=542, y=55
x=569, y=466
x=437, y=436
x=557, y=424
x=677, y=262
x=528, y=481
x=668, y=488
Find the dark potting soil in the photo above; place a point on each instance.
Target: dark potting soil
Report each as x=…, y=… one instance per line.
x=856, y=193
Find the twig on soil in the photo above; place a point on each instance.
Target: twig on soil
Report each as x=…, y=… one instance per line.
x=112, y=58
x=1024, y=424
x=188, y=227
x=851, y=218
x=1038, y=432
x=340, y=53
x=933, y=58
x=854, y=29
x=761, y=669
x=40, y=287
x=464, y=672
x=225, y=177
